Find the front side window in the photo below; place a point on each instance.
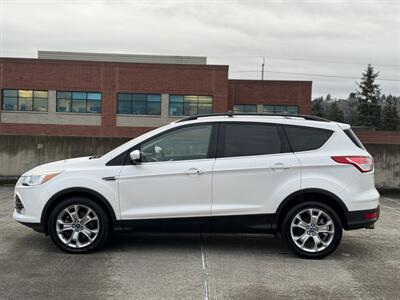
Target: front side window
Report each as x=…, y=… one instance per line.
x=79, y=102
x=139, y=104
x=181, y=144
x=250, y=139
x=25, y=100
x=186, y=105
x=303, y=138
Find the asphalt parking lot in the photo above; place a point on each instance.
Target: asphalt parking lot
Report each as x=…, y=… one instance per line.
x=152, y=266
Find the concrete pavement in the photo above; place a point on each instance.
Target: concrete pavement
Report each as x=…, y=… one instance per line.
x=192, y=266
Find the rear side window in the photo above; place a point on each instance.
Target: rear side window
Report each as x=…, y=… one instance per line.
x=306, y=138
x=250, y=139
x=351, y=135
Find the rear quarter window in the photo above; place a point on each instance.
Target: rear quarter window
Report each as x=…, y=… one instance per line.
x=351, y=135
x=306, y=138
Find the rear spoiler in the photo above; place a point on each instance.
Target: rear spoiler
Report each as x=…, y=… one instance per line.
x=343, y=126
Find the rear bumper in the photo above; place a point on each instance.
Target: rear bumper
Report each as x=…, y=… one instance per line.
x=361, y=218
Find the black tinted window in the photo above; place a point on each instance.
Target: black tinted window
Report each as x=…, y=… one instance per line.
x=306, y=138
x=250, y=139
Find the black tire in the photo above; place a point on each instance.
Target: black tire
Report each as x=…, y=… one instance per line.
x=103, y=225
x=286, y=230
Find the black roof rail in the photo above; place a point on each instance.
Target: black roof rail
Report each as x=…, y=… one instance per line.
x=232, y=114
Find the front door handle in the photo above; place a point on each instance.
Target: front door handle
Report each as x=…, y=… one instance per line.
x=194, y=171
x=279, y=167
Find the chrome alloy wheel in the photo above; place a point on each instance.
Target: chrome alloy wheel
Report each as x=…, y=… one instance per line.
x=312, y=230
x=77, y=226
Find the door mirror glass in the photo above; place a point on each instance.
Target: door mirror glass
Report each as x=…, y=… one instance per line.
x=135, y=155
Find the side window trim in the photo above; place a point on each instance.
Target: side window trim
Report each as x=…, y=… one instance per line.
x=285, y=145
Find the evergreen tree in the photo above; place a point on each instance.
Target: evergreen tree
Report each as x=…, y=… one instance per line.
x=368, y=96
x=390, y=116
x=328, y=97
x=317, y=108
x=352, y=109
x=335, y=113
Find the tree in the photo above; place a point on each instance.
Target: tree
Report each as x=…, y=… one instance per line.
x=328, y=97
x=317, y=108
x=368, y=96
x=335, y=113
x=390, y=116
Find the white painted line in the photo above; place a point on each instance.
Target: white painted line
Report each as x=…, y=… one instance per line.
x=391, y=200
x=203, y=260
x=397, y=212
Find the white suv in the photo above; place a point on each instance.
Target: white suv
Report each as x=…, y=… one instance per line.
x=305, y=177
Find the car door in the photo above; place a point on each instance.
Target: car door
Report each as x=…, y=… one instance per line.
x=174, y=178
x=254, y=169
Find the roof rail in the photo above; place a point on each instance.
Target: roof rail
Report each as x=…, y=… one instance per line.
x=232, y=114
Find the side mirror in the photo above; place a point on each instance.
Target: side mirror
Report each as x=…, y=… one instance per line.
x=135, y=156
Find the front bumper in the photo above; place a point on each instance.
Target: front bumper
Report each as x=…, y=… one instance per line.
x=29, y=202
x=361, y=218
x=35, y=226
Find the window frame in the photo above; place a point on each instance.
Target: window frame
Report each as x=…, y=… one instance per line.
x=86, y=102
x=18, y=97
x=131, y=101
x=245, y=111
x=183, y=104
x=123, y=158
x=286, y=109
x=285, y=145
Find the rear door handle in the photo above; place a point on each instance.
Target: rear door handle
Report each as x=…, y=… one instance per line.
x=194, y=171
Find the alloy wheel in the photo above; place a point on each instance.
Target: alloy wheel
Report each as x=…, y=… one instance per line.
x=312, y=230
x=77, y=226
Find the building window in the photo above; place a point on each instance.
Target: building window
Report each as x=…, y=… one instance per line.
x=139, y=104
x=79, y=102
x=180, y=105
x=25, y=100
x=245, y=108
x=281, y=109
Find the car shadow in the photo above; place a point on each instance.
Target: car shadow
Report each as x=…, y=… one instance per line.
x=235, y=243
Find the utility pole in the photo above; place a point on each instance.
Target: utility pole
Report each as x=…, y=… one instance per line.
x=262, y=68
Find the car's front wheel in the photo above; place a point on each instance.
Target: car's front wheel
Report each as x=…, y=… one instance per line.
x=78, y=225
x=312, y=230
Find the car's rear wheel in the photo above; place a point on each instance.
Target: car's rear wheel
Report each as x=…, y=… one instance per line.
x=312, y=230
x=78, y=225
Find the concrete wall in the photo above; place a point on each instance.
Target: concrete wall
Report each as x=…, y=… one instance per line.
x=387, y=165
x=21, y=153
x=129, y=58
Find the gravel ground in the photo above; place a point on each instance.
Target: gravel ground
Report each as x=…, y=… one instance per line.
x=192, y=266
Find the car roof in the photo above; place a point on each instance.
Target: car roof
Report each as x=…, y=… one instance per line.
x=298, y=120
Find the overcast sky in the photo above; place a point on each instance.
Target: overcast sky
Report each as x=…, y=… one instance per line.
x=315, y=38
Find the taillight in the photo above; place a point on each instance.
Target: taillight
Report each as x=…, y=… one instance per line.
x=362, y=163
x=371, y=216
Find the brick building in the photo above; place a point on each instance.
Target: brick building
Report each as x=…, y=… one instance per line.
x=109, y=95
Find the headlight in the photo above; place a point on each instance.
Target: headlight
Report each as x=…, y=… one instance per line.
x=37, y=179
